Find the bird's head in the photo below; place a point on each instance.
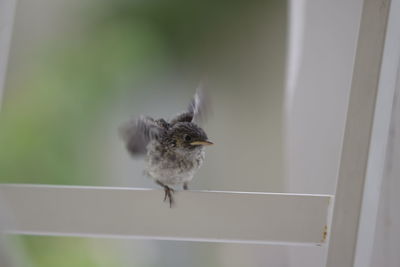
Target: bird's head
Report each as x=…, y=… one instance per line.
x=188, y=136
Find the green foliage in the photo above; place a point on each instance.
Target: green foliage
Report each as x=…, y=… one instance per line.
x=69, y=251
x=49, y=120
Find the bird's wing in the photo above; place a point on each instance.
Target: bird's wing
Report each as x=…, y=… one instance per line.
x=197, y=110
x=138, y=133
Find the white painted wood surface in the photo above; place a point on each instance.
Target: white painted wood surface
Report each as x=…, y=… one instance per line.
x=198, y=215
x=354, y=160
x=385, y=251
x=384, y=115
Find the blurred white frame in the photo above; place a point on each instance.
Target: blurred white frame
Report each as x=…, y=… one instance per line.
x=7, y=10
x=238, y=216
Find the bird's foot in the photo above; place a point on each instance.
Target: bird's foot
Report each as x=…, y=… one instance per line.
x=168, y=195
x=185, y=186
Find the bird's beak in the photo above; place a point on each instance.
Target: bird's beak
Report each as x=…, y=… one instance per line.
x=201, y=143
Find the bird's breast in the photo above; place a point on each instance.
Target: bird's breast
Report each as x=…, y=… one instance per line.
x=172, y=166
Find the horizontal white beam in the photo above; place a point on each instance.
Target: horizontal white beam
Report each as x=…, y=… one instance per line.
x=140, y=213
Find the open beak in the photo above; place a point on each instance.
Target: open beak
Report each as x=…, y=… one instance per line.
x=201, y=143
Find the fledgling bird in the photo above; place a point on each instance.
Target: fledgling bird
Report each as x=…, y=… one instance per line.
x=173, y=150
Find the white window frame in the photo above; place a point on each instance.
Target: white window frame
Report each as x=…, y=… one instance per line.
x=245, y=217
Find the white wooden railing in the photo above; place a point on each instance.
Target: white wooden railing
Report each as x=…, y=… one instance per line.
x=246, y=217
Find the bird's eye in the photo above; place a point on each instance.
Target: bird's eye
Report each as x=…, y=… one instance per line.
x=188, y=138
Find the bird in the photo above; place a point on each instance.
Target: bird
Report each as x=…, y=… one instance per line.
x=173, y=150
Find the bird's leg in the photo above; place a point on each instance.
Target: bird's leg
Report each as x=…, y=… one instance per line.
x=185, y=186
x=168, y=193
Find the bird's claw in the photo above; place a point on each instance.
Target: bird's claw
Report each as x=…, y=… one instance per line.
x=185, y=186
x=168, y=195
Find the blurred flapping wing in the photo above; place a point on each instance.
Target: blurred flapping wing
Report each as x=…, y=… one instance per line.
x=138, y=133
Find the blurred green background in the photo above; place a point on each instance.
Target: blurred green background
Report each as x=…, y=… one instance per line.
x=77, y=70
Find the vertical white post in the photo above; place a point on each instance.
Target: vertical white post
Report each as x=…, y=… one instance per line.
x=355, y=152
x=385, y=250
x=379, y=139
